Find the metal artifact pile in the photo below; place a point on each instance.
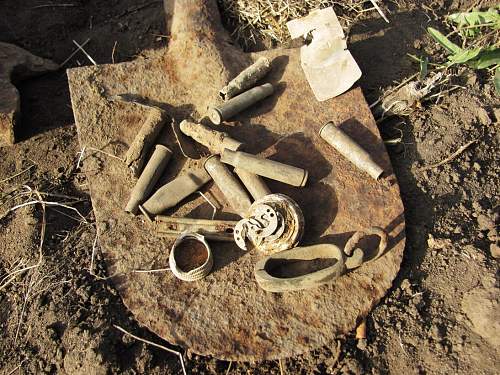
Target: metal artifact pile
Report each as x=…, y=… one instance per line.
x=273, y=224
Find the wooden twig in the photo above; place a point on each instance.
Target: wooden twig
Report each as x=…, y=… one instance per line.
x=113, y=52
x=17, y=174
x=155, y=345
x=53, y=6
x=73, y=54
x=84, y=52
x=449, y=158
x=374, y=2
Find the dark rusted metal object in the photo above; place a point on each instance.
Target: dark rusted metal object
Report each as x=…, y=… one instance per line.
x=246, y=79
x=215, y=230
x=240, y=320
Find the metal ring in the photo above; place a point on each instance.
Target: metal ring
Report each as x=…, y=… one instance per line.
x=196, y=273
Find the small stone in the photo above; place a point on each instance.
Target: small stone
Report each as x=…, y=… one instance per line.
x=362, y=344
x=485, y=223
x=476, y=166
x=495, y=250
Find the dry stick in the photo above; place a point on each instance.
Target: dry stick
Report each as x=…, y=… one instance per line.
x=281, y=367
x=451, y=157
x=73, y=54
x=85, y=52
x=48, y=203
x=53, y=6
x=113, y=52
x=154, y=344
x=229, y=367
x=337, y=355
x=172, y=125
x=17, y=174
x=374, y=2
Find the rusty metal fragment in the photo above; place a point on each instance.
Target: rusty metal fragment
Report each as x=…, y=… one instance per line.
x=350, y=149
x=234, y=193
x=247, y=78
x=275, y=223
x=214, y=140
x=215, y=230
x=239, y=103
x=267, y=168
x=185, y=252
x=176, y=190
x=254, y=183
x=300, y=268
x=149, y=177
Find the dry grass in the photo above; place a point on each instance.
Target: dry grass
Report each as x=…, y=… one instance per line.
x=257, y=20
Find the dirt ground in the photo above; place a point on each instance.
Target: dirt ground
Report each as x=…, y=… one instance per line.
x=441, y=315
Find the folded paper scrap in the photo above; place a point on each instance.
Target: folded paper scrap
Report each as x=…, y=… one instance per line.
x=328, y=65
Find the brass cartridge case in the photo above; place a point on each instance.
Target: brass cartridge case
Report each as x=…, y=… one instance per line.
x=267, y=168
x=233, y=191
x=149, y=177
x=239, y=103
x=176, y=190
x=350, y=149
x=254, y=183
x=214, y=140
x=247, y=78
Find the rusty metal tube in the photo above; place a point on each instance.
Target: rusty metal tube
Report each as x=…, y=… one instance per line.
x=176, y=190
x=234, y=193
x=145, y=138
x=267, y=168
x=239, y=103
x=254, y=183
x=246, y=79
x=350, y=149
x=149, y=177
x=214, y=140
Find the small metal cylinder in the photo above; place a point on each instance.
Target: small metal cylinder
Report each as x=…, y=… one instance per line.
x=350, y=150
x=264, y=167
x=246, y=79
x=231, y=188
x=176, y=190
x=149, y=177
x=214, y=140
x=145, y=138
x=239, y=103
x=254, y=184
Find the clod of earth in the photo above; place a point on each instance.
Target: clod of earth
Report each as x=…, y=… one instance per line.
x=226, y=314
x=16, y=64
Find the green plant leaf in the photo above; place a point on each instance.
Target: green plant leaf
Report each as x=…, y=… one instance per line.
x=464, y=56
x=487, y=58
x=444, y=41
x=424, y=62
x=497, y=80
x=466, y=20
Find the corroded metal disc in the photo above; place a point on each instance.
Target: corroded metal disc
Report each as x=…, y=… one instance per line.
x=227, y=315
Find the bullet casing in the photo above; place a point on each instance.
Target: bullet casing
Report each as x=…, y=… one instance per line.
x=253, y=183
x=233, y=191
x=149, y=177
x=350, y=149
x=239, y=103
x=214, y=140
x=145, y=138
x=267, y=168
x=247, y=78
x=176, y=190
